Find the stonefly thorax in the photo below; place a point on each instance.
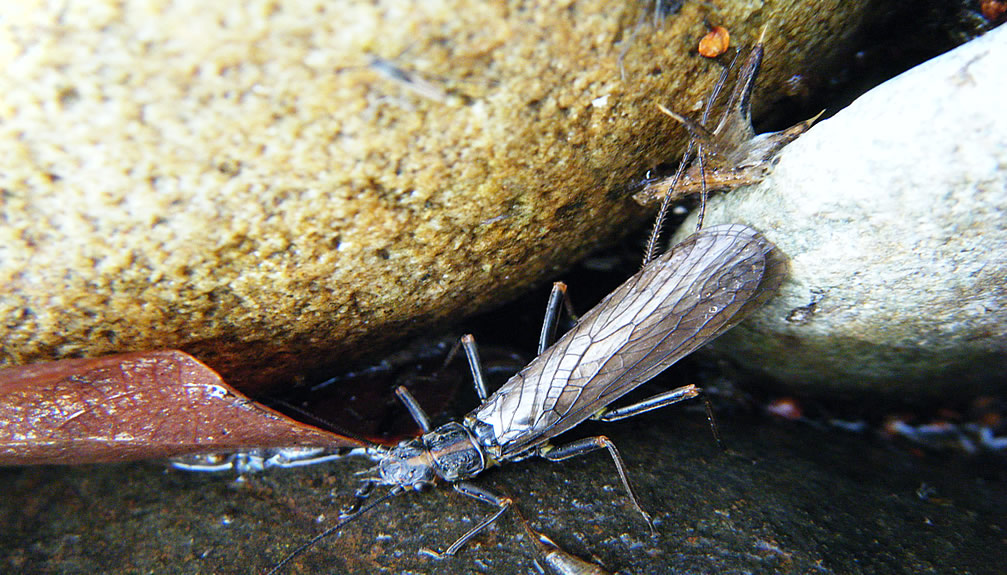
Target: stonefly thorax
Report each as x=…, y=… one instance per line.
x=449, y=452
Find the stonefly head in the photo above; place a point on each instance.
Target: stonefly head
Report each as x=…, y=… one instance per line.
x=407, y=465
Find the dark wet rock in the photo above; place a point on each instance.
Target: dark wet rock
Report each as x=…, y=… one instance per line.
x=785, y=499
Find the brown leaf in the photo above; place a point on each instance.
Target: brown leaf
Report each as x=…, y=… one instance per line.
x=135, y=406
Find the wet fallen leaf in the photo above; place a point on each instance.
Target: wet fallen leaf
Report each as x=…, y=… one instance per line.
x=135, y=406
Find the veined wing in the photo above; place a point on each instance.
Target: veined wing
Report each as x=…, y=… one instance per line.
x=686, y=297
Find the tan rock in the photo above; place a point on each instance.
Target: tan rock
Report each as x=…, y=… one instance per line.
x=273, y=185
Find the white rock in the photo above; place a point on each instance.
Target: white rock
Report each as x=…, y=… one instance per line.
x=893, y=215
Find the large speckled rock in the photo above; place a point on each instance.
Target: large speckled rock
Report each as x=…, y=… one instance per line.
x=894, y=214
x=273, y=185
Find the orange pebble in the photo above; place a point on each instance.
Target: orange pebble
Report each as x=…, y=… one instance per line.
x=715, y=42
x=994, y=10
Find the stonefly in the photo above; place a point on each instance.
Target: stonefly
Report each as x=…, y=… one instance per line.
x=679, y=301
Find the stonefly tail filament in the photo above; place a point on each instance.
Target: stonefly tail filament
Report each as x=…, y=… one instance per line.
x=679, y=301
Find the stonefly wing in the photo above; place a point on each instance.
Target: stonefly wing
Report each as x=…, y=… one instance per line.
x=681, y=300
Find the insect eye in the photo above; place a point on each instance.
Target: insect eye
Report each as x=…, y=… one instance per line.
x=423, y=486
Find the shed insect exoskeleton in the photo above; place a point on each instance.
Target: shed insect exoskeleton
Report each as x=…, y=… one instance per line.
x=682, y=299
x=730, y=154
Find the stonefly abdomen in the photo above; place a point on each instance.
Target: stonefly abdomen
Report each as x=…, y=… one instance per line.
x=680, y=300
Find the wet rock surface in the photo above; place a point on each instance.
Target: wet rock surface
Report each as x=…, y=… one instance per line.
x=892, y=213
x=785, y=498
x=275, y=188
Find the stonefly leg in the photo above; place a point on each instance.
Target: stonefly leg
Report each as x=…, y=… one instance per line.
x=419, y=416
x=661, y=400
x=476, y=365
x=589, y=444
x=651, y=403
x=558, y=296
x=360, y=496
x=475, y=492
